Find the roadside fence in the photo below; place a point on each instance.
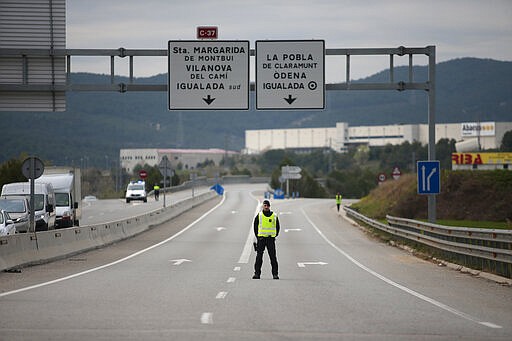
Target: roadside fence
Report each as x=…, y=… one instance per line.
x=489, y=250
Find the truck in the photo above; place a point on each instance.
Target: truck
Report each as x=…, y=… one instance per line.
x=66, y=182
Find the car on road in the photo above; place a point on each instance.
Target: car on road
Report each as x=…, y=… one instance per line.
x=18, y=208
x=7, y=226
x=89, y=198
x=136, y=190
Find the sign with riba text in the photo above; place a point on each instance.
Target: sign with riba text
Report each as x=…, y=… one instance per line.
x=290, y=74
x=208, y=75
x=481, y=158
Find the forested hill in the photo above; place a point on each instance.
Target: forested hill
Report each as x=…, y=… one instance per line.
x=97, y=125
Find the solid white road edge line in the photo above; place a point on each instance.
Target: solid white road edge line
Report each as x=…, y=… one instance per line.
x=246, y=252
x=399, y=286
x=7, y=293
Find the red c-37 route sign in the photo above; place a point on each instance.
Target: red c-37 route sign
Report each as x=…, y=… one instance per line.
x=207, y=32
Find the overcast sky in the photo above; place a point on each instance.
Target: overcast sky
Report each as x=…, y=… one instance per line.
x=458, y=28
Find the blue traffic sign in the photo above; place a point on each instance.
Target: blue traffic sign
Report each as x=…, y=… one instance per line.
x=278, y=194
x=218, y=188
x=429, y=177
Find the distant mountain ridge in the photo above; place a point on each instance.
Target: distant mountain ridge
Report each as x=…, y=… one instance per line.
x=96, y=125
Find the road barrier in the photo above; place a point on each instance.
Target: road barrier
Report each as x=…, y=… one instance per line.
x=25, y=249
x=484, y=249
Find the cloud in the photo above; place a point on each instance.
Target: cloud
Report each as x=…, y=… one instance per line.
x=458, y=28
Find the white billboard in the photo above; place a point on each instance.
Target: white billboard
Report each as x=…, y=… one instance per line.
x=470, y=129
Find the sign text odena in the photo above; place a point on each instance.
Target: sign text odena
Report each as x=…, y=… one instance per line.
x=290, y=74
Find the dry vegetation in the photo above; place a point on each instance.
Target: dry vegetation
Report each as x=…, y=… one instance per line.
x=465, y=196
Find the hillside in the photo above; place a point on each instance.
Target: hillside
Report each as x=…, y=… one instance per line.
x=96, y=125
x=465, y=195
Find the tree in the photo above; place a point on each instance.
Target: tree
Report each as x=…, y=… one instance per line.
x=10, y=171
x=362, y=154
x=444, y=150
x=506, y=142
x=352, y=183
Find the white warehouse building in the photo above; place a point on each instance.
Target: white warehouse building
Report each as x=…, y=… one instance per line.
x=469, y=135
x=187, y=158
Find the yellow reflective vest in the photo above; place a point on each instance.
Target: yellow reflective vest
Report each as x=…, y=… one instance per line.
x=267, y=225
x=338, y=199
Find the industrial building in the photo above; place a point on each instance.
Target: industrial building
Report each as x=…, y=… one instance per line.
x=470, y=136
x=185, y=158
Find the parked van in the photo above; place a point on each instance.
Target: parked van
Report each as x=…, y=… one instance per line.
x=44, y=202
x=66, y=184
x=18, y=207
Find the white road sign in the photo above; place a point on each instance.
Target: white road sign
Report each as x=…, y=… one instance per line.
x=290, y=74
x=291, y=169
x=291, y=172
x=292, y=176
x=208, y=75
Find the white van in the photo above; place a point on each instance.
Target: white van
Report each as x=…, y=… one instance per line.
x=18, y=207
x=136, y=190
x=44, y=202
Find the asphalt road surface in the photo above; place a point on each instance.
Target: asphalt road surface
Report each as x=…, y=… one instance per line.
x=102, y=211
x=190, y=279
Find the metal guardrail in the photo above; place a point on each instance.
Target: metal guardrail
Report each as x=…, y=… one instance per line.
x=485, y=249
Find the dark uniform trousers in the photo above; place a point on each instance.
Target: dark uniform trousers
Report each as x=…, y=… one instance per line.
x=270, y=244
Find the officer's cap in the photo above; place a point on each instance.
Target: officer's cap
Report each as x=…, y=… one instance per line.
x=266, y=202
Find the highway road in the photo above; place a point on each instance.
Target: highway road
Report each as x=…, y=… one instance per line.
x=190, y=279
x=102, y=211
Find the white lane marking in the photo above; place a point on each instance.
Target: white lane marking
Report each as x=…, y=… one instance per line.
x=220, y=228
x=246, y=252
x=303, y=264
x=490, y=325
x=221, y=295
x=7, y=293
x=288, y=230
x=179, y=261
x=231, y=280
x=237, y=268
x=207, y=318
x=399, y=286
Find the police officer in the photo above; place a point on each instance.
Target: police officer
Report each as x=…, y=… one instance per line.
x=156, y=190
x=338, y=201
x=266, y=229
